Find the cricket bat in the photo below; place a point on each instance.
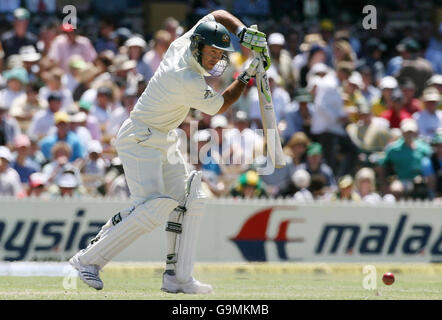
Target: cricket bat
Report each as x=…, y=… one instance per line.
x=274, y=148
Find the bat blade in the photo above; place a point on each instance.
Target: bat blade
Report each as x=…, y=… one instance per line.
x=274, y=148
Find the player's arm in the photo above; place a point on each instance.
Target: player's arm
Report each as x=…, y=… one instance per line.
x=228, y=20
x=248, y=37
x=231, y=94
x=234, y=90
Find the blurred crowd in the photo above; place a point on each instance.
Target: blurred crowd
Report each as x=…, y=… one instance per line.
x=359, y=111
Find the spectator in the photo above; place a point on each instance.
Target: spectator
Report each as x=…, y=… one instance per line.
x=22, y=163
x=10, y=184
x=94, y=168
x=366, y=185
x=69, y=43
x=30, y=58
x=281, y=60
x=346, y=190
x=86, y=76
x=374, y=50
x=344, y=69
x=106, y=37
x=152, y=58
x=342, y=51
x=172, y=26
x=369, y=91
x=12, y=41
x=429, y=119
x=280, y=181
x=396, y=112
x=249, y=185
x=54, y=84
x=298, y=114
x=395, y=64
x=60, y=154
x=17, y=79
x=78, y=125
x=121, y=35
x=123, y=70
x=436, y=81
x=435, y=170
x=71, y=79
x=396, y=192
x=35, y=153
x=405, y=157
x=315, y=65
x=37, y=186
x=352, y=95
x=103, y=63
x=43, y=120
x=92, y=123
x=67, y=185
x=369, y=134
x=316, y=167
x=327, y=126
x=296, y=148
x=9, y=127
x=48, y=32
x=416, y=68
x=313, y=40
x=26, y=106
x=411, y=104
x=244, y=141
x=387, y=85
x=434, y=49
x=212, y=158
x=103, y=105
x=63, y=133
x=301, y=179
x=225, y=160
x=136, y=47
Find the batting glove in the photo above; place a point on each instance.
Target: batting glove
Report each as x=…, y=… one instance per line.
x=253, y=39
x=250, y=71
x=265, y=57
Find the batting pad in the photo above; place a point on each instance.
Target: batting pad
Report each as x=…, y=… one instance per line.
x=143, y=219
x=195, y=208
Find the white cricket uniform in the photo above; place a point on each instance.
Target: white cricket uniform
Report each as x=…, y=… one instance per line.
x=147, y=136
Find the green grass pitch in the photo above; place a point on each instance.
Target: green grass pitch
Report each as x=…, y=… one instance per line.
x=293, y=281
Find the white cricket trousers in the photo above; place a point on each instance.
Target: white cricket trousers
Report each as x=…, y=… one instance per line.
x=151, y=161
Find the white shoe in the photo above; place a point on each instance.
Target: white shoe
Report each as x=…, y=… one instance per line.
x=171, y=285
x=89, y=273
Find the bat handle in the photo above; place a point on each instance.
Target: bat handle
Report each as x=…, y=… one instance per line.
x=261, y=65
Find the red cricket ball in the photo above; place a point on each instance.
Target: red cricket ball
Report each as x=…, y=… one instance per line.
x=388, y=278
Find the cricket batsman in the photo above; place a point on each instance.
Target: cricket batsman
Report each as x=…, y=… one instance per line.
x=162, y=190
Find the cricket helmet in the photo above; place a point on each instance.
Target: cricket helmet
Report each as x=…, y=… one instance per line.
x=213, y=34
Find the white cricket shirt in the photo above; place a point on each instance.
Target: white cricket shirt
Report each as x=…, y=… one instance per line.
x=177, y=85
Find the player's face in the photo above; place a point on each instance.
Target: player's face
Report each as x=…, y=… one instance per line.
x=210, y=57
